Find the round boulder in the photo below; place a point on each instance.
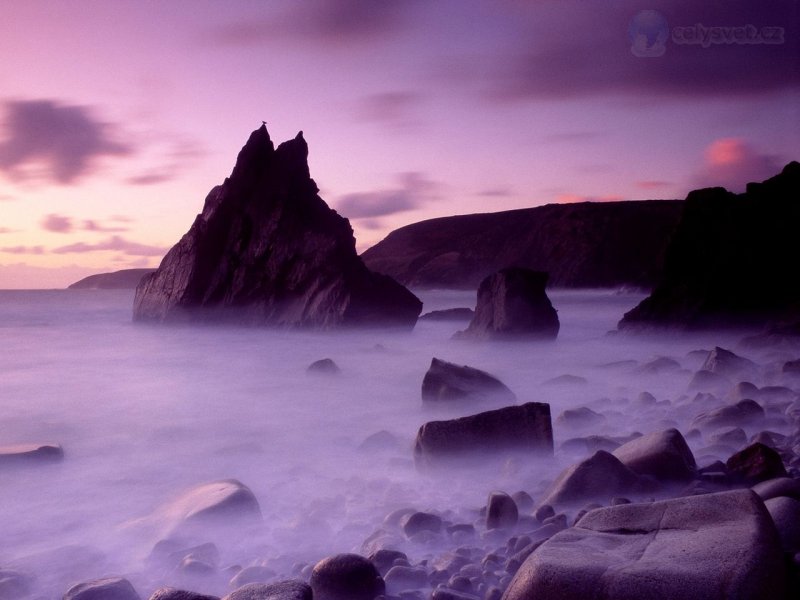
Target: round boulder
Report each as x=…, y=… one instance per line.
x=111, y=588
x=346, y=577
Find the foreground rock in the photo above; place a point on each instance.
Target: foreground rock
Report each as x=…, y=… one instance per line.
x=283, y=590
x=21, y=454
x=714, y=546
x=168, y=593
x=525, y=428
x=512, y=304
x=112, y=588
x=746, y=242
x=445, y=382
x=346, y=577
x=267, y=250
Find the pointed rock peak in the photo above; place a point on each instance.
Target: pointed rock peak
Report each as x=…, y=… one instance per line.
x=299, y=135
x=257, y=150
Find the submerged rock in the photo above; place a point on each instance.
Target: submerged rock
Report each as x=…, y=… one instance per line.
x=724, y=362
x=168, y=593
x=714, y=546
x=512, y=304
x=112, y=588
x=501, y=511
x=30, y=454
x=283, y=590
x=601, y=476
x=515, y=428
x=267, y=250
x=745, y=412
x=323, y=366
x=445, y=382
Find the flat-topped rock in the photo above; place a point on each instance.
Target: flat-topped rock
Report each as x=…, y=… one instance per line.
x=714, y=546
x=267, y=250
x=513, y=304
x=524, y=428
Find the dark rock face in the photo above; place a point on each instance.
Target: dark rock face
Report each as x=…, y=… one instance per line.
x=713, y=546
x=512, y=303
x=112, y=588
x=445, y=382
x=282, y=590
x=755, y=463
x=727, y=262
x=126, y=279
x=588, y=244
x=267, y=250
x=346, y=577
x=514, y=428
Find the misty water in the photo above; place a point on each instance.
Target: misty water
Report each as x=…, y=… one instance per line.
x=145, y=412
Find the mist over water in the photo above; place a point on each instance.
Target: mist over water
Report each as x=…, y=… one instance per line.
x=143, y=413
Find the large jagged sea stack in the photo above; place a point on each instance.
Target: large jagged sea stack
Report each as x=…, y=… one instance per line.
x=267, y=250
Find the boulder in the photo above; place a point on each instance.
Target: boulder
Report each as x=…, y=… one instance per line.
x=323, y=366
x=446, y=382
x=755, y=463
x=501, y=511
x=30, y=454
x=226, y=503
x=743, y=413
x=346, y=577
x=111, y=588
x=512, y=304
x=714, y=546
x=267, y=250
x=601, y=476
x=664, y=455
x=283, y=590
x=168, y=593
x=780, y=486
x=583, y=416
x=724, y=362
x=525, y=428
x=416, y=522
x=400, y=578
x=726, y=264
x=785, y=512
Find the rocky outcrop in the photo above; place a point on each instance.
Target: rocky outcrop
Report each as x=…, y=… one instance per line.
x=445, y=383
x=267, y=250
x=729, y=261
x=513, y=304
x=525, y=428
x=714, y=546
x=587, y=244
x=126, y=279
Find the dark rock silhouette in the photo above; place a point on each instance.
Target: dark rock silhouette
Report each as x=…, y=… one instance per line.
x=512, y=303
x=323, y=366
x=445, y=383
x=525, y=428
x=730, y=260
x=607, y=244
x=346, y=577
x=267, y=250
x=126, y=279
x=23, y=454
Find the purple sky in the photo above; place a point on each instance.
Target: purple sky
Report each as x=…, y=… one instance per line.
x=116, y=118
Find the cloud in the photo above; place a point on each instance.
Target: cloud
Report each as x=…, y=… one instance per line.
x=179, y=155
x=573, y=137
x=327, y=22
x=57, y=223
x=574, y=198
x=497, y=192
x=576, y=49
x=93, y=225
x=114, y=243
x=7, y=230
x=53, y=141
x=652, y=184
x=733, y=163
x=23, y=249
x=413, y=190
x=393, y=108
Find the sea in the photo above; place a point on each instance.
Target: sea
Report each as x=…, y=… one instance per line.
x=145, y=412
